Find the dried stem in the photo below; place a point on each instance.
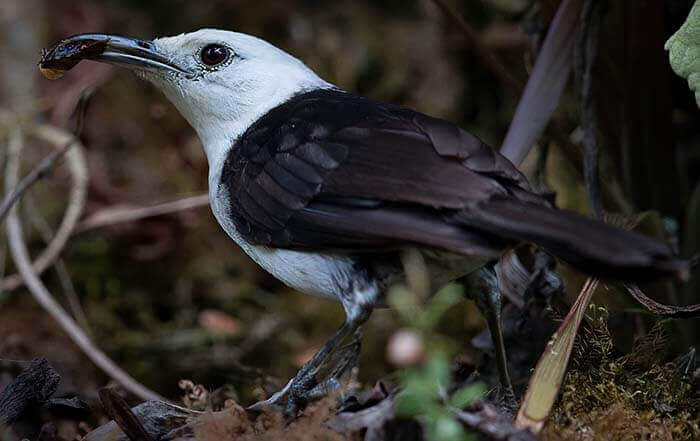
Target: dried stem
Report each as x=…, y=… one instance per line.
x=677, y=312
x=113, y=215
x=22, y=261
x=37, y=173
x=46, y=232
x=78, y=168
x=545, y=382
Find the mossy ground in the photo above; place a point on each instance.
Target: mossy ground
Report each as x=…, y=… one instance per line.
x=638, y=395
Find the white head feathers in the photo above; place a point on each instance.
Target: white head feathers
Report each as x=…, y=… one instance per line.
x=220, y=101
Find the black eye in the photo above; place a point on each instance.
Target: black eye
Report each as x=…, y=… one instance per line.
x=214, y=54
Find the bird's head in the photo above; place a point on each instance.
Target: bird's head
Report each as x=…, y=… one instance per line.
x=220, y=81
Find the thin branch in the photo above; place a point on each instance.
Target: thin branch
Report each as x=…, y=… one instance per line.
x=488, y=58
x=102, y=218
x=37, y=173
x=113, y=215
x=46, y=232
x=47, y=163
x=72, y=296
x=673, y=311
x=78, y=169
x=22, y=261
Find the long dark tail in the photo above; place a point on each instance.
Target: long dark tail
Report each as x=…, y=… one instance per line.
x=590, y=245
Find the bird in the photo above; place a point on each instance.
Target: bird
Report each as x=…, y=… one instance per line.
x=327, y=190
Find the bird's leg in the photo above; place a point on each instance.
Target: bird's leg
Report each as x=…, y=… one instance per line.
x=487, y=296
x=304, y=387
x=347, y=359
x=305, y=380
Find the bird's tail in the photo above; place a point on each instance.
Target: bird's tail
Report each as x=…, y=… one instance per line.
x=590, y=245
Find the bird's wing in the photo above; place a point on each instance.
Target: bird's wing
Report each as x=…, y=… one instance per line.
x=329, y=170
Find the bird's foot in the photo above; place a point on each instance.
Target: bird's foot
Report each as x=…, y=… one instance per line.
x=272, y=403
x=305, y=387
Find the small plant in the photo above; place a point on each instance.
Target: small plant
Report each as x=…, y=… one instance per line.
x=425, y=387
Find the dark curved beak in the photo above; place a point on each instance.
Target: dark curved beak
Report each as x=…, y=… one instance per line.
x=128, y=52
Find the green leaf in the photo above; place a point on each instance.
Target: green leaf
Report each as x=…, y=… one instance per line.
x=405, y=302
x=446, y=428
x=684, y=50
x=421, y=386
x=467, y=395
x=438, y=370
x=412, y=404
x=443, y=300
x=417, y=383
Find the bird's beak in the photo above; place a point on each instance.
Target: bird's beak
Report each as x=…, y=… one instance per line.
x=128, y=52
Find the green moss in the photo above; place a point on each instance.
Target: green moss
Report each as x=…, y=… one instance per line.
x=633, y=396
x=684, y=50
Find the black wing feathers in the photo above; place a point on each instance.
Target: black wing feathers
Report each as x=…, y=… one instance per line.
x=331, y=171
x=589, y=245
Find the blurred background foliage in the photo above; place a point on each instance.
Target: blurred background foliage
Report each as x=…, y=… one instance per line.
x=172, y=297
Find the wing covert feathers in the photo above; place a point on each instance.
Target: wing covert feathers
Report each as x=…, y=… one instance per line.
x=329, y=171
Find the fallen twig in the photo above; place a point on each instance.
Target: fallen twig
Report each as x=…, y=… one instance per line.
x=22, y=261
x=161, y=421
x=117, y=409
x=493, y=424
x=113, y=215
x=372, y=419
x=482, y=418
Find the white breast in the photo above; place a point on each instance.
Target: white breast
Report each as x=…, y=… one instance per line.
x=317, y=274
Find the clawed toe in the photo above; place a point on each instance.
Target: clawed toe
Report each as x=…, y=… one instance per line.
x=274, y=401
x=298, y=399
x=305, y=387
